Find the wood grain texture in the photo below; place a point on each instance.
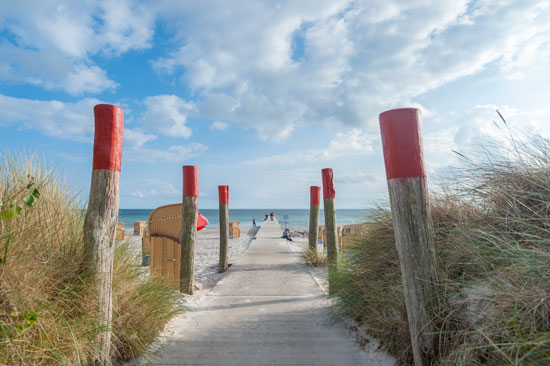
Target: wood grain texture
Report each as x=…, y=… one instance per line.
x=313, y=226
x=224, y=237
x=414, y=240
x=99, y=243
x=188, y=239
x=331, y=239
x=330, y=227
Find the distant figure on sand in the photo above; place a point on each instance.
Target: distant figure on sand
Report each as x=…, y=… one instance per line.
x=271, y=214
x=286, y=235
x=265, y=217
x=254, y=222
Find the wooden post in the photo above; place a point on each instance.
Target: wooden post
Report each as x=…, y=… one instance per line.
x=315, y=200
x=189, y=227
x=330, y=223
x=102, y=216
x=414, y=238
x=223, y=193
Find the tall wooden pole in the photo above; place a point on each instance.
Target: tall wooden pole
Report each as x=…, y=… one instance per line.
x=223, y=193
x=330, y=224
x=189, y=227
x=314, y=201
x=102, y=216
x=414, y=237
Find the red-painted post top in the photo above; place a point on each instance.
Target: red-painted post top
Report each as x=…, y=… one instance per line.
x=109, y=130
x=190, y=180
x=402, y=143
x=328, y=183
x=315, y=195
x=223, y=193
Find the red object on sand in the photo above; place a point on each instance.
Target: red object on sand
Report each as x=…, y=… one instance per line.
x=328, y=183
x=190, y=180
x=109, y=130
x=202, y=222
x=223, y=193
x=315, y=195
x=402, y=143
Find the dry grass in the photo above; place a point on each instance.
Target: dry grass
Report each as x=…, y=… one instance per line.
x=313, y=258
x=493, y=249
x=43, y=278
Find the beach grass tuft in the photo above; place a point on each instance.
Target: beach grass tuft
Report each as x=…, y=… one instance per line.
x=492, y=226
x=47, y=299
x=312, y=257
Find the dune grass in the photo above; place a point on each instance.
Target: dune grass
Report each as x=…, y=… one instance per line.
x=47, y=299
x=493, y=250
x=312, y=257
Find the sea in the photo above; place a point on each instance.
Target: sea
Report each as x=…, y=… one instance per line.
x=297, y=219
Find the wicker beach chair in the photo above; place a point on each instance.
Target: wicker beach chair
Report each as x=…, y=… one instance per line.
x=164, y=229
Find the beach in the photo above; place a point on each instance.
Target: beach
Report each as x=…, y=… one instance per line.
x=207, y=252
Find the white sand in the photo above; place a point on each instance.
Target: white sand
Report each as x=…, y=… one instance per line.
x=207, y=252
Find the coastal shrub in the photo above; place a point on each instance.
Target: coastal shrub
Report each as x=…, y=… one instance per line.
x=47, y=299
x=493, y=249
x=313, y=258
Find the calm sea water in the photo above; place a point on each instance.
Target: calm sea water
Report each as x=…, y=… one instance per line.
x=297, y=218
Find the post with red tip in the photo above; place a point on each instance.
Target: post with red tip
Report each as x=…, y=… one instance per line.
x=102, y=216
x=223, y=193
x=330, y=223
x=188, y=234
x=314, y=201
x=414, y=237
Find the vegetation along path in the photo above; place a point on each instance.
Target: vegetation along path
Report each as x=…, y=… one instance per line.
x=266, y=310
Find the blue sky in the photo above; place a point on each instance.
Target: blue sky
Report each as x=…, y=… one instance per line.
x=262, y=95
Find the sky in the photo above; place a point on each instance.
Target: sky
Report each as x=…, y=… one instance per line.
x=263, y=94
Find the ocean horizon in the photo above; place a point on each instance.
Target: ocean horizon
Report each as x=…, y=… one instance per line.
x=298, y=219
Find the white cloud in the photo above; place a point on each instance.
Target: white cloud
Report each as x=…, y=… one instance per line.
x=51, y=71
x=482, y=128
x=137, y=138
x=86, y=79
x=482, y=123
x=359, y=178
x=175, y=153
x=72, y=121
x=284, y=66
x=349, y=144
x=165, y=188
x=218, y=125
x=50, y=44
x=75, y=121
x=138, y=194
x=167, y=114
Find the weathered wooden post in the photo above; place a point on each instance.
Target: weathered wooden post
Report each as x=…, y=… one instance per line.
x=189, y=227
x=223, y=193
x=102, y=216
x=330, y=223
x=314, y=201
x=414, y=238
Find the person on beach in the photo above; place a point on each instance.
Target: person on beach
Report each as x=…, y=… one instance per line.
x=286, y=235
x=271, y=215
x=254, y=222
x=265, y=217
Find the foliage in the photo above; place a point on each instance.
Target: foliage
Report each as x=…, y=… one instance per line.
x=493, y=250
x=47, y=299
x=312, y=257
